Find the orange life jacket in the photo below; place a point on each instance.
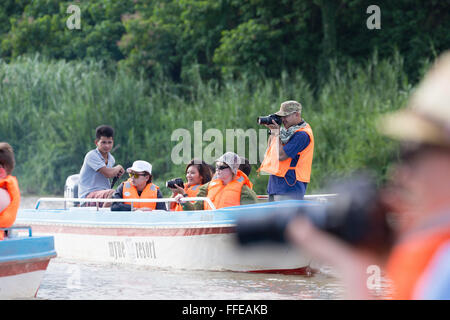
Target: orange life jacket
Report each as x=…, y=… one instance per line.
x=150, y=192
x=8, y=215
x=225, y=195
x=410, y=258
x=247, y=180
x=191, y=192
x=272, y=165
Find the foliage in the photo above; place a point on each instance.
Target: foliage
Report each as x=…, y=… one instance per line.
x=226, y=38
x=50, y=110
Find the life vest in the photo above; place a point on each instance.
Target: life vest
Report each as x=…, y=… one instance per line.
x=272, y=165
x=8, y=215
x=247, y=180
x=410, y=258
x=191, y=192
x=150, y=192
x=225, y=195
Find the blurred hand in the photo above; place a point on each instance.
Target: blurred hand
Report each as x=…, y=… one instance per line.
x=350, y=262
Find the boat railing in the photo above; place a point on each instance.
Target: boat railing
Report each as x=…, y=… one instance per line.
x=9, y=230
x=315, y=197
x=97, y=201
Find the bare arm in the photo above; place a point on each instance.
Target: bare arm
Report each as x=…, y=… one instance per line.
x=116, y=171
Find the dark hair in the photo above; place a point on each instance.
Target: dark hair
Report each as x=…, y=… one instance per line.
x=104, y=131
x=7, y=157
x=245, y=167
x=203, y=169
x=212, y=169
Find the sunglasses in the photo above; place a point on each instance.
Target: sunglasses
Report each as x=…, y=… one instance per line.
x=136, y=175
x=222, y=167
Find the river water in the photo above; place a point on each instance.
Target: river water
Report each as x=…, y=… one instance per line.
x=75, y=280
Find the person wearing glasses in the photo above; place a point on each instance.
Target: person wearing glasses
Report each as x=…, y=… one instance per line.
x=98, y=167
x=197, y=173
x=138, y=186
x=229, y=187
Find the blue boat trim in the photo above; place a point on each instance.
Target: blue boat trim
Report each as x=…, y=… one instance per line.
x=107, y=218
x=26, y=248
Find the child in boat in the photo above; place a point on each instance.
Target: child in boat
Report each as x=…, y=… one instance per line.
x=9, y=188
x=229, y=187
x=197, y=174
x=139, y=186
x=98, y=167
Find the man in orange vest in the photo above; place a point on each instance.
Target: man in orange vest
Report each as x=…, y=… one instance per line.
x=9, y=188
x=418, y=195
x=289, y=154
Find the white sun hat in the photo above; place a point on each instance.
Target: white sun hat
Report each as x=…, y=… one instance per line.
x=140, y=166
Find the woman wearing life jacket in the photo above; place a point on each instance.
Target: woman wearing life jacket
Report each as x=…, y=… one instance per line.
x=138, y=186
x=229, y=187
x=197, y=174
x=9, y=188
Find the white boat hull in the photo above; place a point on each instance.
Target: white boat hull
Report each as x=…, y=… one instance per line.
x=202, y=240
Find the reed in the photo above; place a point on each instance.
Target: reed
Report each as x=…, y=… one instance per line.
x=49, y=111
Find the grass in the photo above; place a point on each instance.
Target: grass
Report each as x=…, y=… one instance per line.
x=49, y=111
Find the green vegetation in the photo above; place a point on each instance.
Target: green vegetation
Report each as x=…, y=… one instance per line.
x=150, y=67
x=225, y=38
x=50, y=110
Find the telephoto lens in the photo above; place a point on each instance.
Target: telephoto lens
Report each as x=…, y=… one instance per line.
x=268, y=119
x=177, y=181
x=355, y=216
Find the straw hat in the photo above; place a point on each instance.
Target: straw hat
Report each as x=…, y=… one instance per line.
x=427, y=116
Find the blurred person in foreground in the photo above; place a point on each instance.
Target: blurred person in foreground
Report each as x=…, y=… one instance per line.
x=418, y=194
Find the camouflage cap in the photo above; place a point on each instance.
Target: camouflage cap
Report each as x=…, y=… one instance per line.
x=289, y=107
x=427, y=116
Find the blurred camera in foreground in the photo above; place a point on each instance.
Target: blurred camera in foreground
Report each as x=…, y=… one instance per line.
x=356, y=216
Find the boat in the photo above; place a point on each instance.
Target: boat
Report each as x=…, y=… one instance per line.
x=23, y=262
x=192, y=240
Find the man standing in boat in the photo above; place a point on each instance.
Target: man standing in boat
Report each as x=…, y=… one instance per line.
x=98, y=167
x=289, y=154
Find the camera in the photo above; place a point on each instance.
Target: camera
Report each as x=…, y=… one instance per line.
x=177, y=181
x=356, y=216
x=268, y=119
